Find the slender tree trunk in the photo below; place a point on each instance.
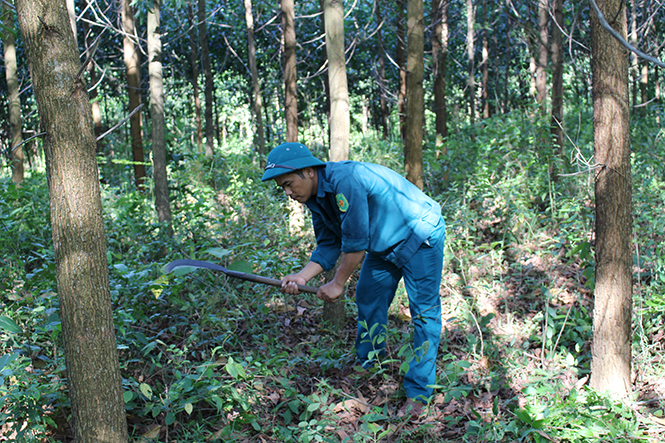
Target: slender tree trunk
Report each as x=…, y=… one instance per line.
x=339, y=94
x=440, y=70
x=11, y=75
x=506, y=74
x=207, y=73
x=93, y=373
x=401, y=62
x=89, y=41
x=195, y=77
x=290, y=73
x=541, y=65
x=133, y=66
x=325, y=74
x=485, y=65
x=162, y=203
x=612, y=333
x=71, y=11
x=259, y=139
x=557, y=78
x=413, y=144
x=471, y=55
x=383, y=116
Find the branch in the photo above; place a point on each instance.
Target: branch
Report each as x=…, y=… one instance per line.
x=620, y=39
x=123, y=121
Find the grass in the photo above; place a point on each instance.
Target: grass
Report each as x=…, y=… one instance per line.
x=207, y=358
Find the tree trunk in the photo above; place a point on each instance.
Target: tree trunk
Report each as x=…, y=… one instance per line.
x=383, y=115
x=413, y=144
x=471, y=51
x=439, y=67
x=133, y=66
x=89, y=41
x=290, y=73
x=207, y=73
x=484, y=63
x=401, y=63
x=93, y=373
x=334, y=314
x=339, y=94
x=195, y=78
x=162, y=203
x=611, y=353
x=14, y=100
x=557, y=78
x=541, y=65
x=259, y=139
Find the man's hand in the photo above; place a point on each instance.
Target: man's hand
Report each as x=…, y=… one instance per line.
x=330, y=292
x=290, y=283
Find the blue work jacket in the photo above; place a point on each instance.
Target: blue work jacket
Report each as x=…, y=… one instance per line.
x=368, y=207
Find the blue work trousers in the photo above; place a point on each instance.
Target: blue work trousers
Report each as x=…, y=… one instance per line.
x=375, y=292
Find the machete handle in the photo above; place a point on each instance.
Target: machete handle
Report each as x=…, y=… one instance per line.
x=236, y=274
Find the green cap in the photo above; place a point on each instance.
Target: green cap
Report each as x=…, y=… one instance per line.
x=288, y=157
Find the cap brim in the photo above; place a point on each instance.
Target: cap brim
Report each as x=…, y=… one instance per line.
x=298, y=163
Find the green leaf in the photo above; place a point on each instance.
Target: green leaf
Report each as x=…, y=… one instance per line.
x=189, y=408
x=9, y=325
x=218, y=252
x=127, y=396
x=146, y=390
x=169, y=419
x=7, y=359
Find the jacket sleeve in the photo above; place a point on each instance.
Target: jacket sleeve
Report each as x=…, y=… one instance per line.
x=328, y=245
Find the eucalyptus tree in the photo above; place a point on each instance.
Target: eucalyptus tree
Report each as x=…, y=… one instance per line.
x=207, y=74
x=541, y=60
x=612, y=312
x=339, y=93
x=132, y=60
x=257, y=102
x=413, y=141
x=440, y=31
x=290, y=70
x=194, y=57
x=557, y=76
x=93, y=373
x=14, y=105
x=161, y=182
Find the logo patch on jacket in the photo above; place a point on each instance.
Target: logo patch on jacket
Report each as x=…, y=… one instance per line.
x=342, y=202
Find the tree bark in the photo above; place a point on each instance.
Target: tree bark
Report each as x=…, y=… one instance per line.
x=162, y=203
x=207, y=73
x=95, y=388
x=557, y=78
x=14, y=100
x=339, y=93
x=471, y=51
x=194, y=56
x=541, y=65
x=401, y=63
x=413, y=144
x=257, y=105
x=133, y=67
x=611, y=353
x=439, y=67
x=290, y=72
x=383, y=115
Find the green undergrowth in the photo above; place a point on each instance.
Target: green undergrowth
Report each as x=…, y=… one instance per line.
x=208, y=358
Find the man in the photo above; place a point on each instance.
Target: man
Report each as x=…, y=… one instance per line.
x=360, y=208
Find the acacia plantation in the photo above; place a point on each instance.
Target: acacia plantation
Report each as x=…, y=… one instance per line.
x=135, y=135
